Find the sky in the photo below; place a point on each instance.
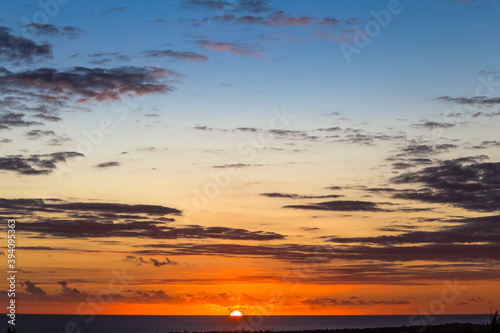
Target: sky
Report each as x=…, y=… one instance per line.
x=272, y=157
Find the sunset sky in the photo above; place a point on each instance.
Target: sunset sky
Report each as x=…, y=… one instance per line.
x=271, y=157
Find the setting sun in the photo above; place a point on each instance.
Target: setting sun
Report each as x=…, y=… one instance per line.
x=236, y=314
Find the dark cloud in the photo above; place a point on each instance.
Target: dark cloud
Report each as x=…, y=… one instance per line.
x=477, y=100
x=58, y=141
x=72, y=32
x=141, y=229
x=366, y=139
x=434, y=124
x=189, y=56
x=101, y=220
x=47, y=118
x=236, y=166
x=152, y=261
x=251, y=20
x=42, y=164
x=469, y=230
x=107, y=165
x=8, y=120
x=52, y=31
x=40, y=205
x=42, y=29
x=487, y=144
x=464, y=182
x=67, y=291
x=423, y=150
x=38, y=134
x=88, y=84
x=32, y=289
x=383, y=255
x=299, y=196
x=330, y=129
x=342, y=206
x=333, y=188
x=18, y=49
x=332, y=302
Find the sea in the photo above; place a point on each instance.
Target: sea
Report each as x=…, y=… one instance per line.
x=165, y=324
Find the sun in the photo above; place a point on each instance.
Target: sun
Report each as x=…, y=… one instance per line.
x=236, y=314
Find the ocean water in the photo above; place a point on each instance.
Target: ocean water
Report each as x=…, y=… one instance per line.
x=165, y=324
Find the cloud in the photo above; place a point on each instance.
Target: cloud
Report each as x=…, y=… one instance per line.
x=55, y=206
x=42, y=164
x=188, y=56
x=474, y=254
x=58, y=141
x=116, y=9
x=342, y=206
x=236, y=166
x=18, y=49
x=329, y=129
x=152, y=149
x=47, y=118
x=423, y=150
x=332, y=302
x=366, y=139
x=38, y=134
x=141, y=229
x=434, y=124
x=53, y=31
x=15, y=120
x=107, y=165
x=234, y=48
x=32, y=288
x=101, y=220
x=72, y=32
x=477, y=100
x=67, y=291
x=487, y=144
x=152, y=261
x=299, y=196
x=463, y=182
x=42, y=29
x=467, y=231
x=89, y=84
x=279, y=18
x=254, y=6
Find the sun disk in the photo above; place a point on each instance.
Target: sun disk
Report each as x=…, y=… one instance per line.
x=236, y=314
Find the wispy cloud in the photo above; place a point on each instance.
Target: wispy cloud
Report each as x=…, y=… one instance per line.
x=234, y=48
